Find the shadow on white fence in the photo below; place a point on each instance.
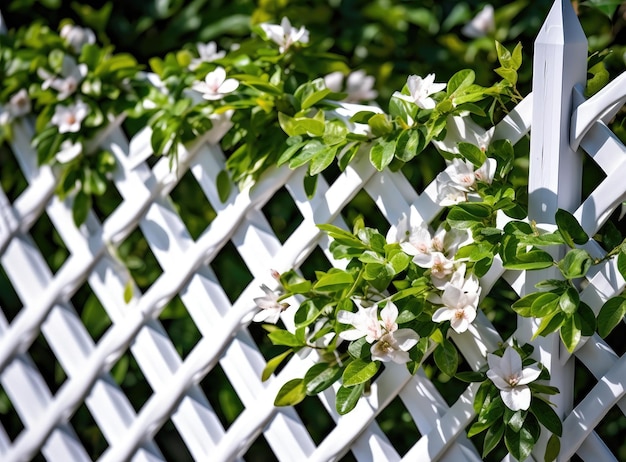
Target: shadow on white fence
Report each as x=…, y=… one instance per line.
x=176, y=385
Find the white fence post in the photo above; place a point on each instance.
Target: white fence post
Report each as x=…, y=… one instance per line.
x=555, y=177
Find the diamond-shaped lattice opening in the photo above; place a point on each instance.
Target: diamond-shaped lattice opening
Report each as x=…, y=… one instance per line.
x=88, y=432
x=171, y=444
x=128, y=376
x=192, y=205
x=180, y=326
x=11, y=178
x=282, y=214
x=315, y=418
x=584, y=381
x=260, y=451
x=424, y=168
x=9, y=418
x=612, y=429
x=398, y=424
x=331, y=173
x=105, y=204
x=496, y=306
x=47, y=364
x=617, y=339
x=10, y=303
x=222, y=396
x=593, y=175
x=231, y=271
x=316, y=261
x=362, y=205
x=139, y=259
x=92, y=314
x=49, y=242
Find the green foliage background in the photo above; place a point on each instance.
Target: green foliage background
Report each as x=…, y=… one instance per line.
x=390, y=39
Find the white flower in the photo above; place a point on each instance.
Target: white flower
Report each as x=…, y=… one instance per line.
x=393, y=344
x=19, y=104
x=69, y=118
x=285, y=35
x=434, y=252
x=420, y=91
x=460, y=299
x=459, y=178
x=359, y=85
x=215, y=85
x=270, y=306
x=207, y=53
x=77, y=37
x=507, y=374
x=365, y=323
x=482, y=24
x=71, y=77
x=69, y=151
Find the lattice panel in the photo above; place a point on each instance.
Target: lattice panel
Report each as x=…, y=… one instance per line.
x=135, y=328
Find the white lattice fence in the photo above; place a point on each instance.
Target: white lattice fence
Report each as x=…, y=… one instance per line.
x=177, y=383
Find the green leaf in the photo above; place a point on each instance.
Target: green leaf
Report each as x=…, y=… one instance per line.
x=273, y=363
x=410, y=143
x=553, y=449
x=334, y=281
x=610, y=315
x=472, y=153
x=524, y=304
x=569, y=301
x=321, y=376
x=322, y=159
x=291, y=393
x=293, y=126
x=492, y=438
x=379, y=274
x=607, y=7
x=544, y=304
x=621, y=262
x=310, y=185
x=514, y=419
x=224, y=185
x=586, y=319
x=307, y=313
x=362, y=117
x=460, y=81
x=570, y=229
x=360, y=349
x=570, y=333
x=359, y=371
x=381, y=153
x=520, y=444
x=468, y=215
x=283, y=337
x=575, y=264
x=347, y=398
x=549, y=324
x=446, y=358
x=380, y=125
x=81, y=207
x=294, y=283
x=546, y=415
x=128, y=291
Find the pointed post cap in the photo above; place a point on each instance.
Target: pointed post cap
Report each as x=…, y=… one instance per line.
x=561, y=26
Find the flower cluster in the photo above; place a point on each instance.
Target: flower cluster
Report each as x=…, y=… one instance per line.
x=388, y=342
x=77, y=89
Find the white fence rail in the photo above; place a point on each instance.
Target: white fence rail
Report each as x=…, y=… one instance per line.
x=564, y=128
